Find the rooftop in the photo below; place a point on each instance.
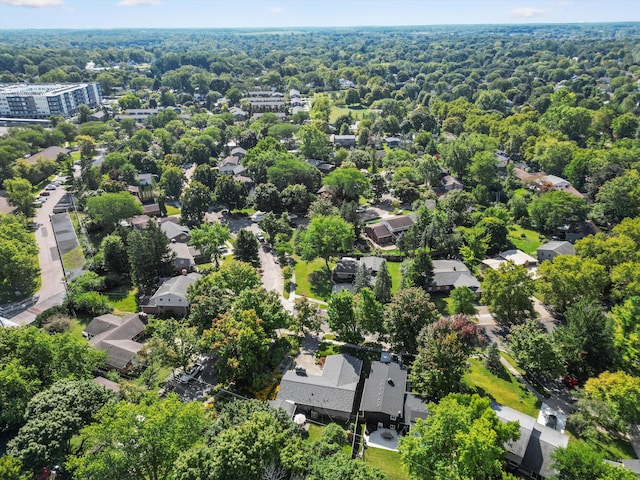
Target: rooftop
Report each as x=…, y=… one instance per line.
x=177, y=285
x=561, y=247
x=384, y=389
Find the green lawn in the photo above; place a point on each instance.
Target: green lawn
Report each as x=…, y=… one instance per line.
x=315, y=433
x=526, y=240
x=124, y=299
x=611, y=447
x=171, y=210
x=357, y=111
x=387, y=461
x=396, y=276
x=312, y=279
x=512, y=361
x=504, y=388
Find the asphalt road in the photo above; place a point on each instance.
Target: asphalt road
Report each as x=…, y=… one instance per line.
x=52, y=289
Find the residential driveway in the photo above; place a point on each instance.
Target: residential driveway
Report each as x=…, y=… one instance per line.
x=307, y=356
x=52, y=290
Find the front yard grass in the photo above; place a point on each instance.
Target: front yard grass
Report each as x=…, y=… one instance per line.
x=504, y=388
x=312, y=279
x=387, y=461
x=526, y=240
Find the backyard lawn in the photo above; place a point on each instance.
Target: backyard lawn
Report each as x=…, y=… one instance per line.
x=396, y=276
x=526, y=240
x=387, y=461
x=504, y=388
x=123, y=299
x=171, y=210
x=357, y=111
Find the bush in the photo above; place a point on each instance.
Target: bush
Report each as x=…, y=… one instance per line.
x=57, y=324
x=43, y=317
x=91, y=303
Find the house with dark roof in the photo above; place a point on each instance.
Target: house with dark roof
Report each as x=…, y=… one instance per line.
x=50, y=153
x=373, y=264
x=450, y=274
x=379, y=233
x=118, y=336
x=382, y=403
x=392, y=142
x=415, y=407
x=321, y=165
x=399, y=224
x=175, y=232
x=551, y=250
x=347, y=141
x=331, y=394
x=345, y=270
x=238, y=114
x=238, y=152
x=530, y=455
x=229, y=165
x=184, y=256
x=171, y=296
x=450, y=183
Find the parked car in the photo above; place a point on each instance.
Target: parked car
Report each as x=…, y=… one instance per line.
x=44, y=193
x=260, y=237
x=51, y=186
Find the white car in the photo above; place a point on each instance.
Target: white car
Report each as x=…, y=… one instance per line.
x=51, y=186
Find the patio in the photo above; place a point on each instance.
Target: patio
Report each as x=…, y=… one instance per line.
x=384, y=438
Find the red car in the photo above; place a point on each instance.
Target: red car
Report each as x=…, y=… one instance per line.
x=570, y=382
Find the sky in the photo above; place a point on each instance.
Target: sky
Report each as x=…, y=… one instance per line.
x=103, y=14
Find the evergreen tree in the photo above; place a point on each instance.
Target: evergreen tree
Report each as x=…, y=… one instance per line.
x=363, y=278
x=382, y=285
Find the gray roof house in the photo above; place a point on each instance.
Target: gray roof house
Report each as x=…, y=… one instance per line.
x=398, y=224
x=551, y=250
x=531, y=453
x=382, y=401
x=184, y=256
x=345, y=270
x=171, y=296
x=229, y=164
x=415, y=406
x=175, y=232
x=344, y=140
x=450, y=274
x=118, y=337
x=333, y=393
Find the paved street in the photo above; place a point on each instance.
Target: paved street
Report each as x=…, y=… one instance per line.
x=52, y=290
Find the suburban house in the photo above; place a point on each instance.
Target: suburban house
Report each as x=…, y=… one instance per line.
x=347, y=267
x=152, y=209
x=450, y=274
x=551, y=250
x=556, y=182
x=118, y=336
x=531, y=453
x=139, y=222
x=450, y=183
x=415, y=406
x=379, y=234
x=230, y=165
x=346, y=141
x=184, y=256
x=392, y=142
x=516, y=256
x=238, y=114
x=53, y=153
x=345, y=270
x=321, y=165
x=175, y=232
x=238, y=152
x=171, y=296
x=382, y=401
x=332, y=393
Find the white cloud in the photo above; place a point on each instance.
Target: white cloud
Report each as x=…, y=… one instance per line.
x=136, y=3
x=526, y=12
x=276, y=10
x=34, y=3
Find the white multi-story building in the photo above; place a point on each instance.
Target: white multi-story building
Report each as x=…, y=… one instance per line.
x=41, y=100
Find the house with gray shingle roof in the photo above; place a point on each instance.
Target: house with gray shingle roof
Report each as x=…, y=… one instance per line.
x=531, y=453
x=450, y=274
x=175, y=232
x=332, y=393
x=171, y=296
x=382, y=402
x=118, y=336
x=551, y=250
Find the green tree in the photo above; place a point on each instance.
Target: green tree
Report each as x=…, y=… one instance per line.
x=552, y=209
x=321, y=108
x=267, y=198
x=172, y=180
x=208, y=238
x=139, y=440
x=535, y=350
x=579, y=461
x=246, y=248
x=625, y=126
x=568, y=279
x=150, y=257
x=229, y=192
x=342, y=317
x=382, y=286
x=462, y=300
x=20, y=195
x=585, y=343
x=315, y=143
x=296, y=198
x=347, y=183
x=369, y=311
x=616, y=397
x=363, y=278
x=19, y=266
x=53, y=417
x=307, y=316
x=618, y=198
x=443, y=349
x=114, y=254
x=418, y=271
x=326, y=236
x=408, y=313
x=626, y=334
x=507, y=292
x=108, y=209
x=474, y=451
x=195, y=202
x=129, y=101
